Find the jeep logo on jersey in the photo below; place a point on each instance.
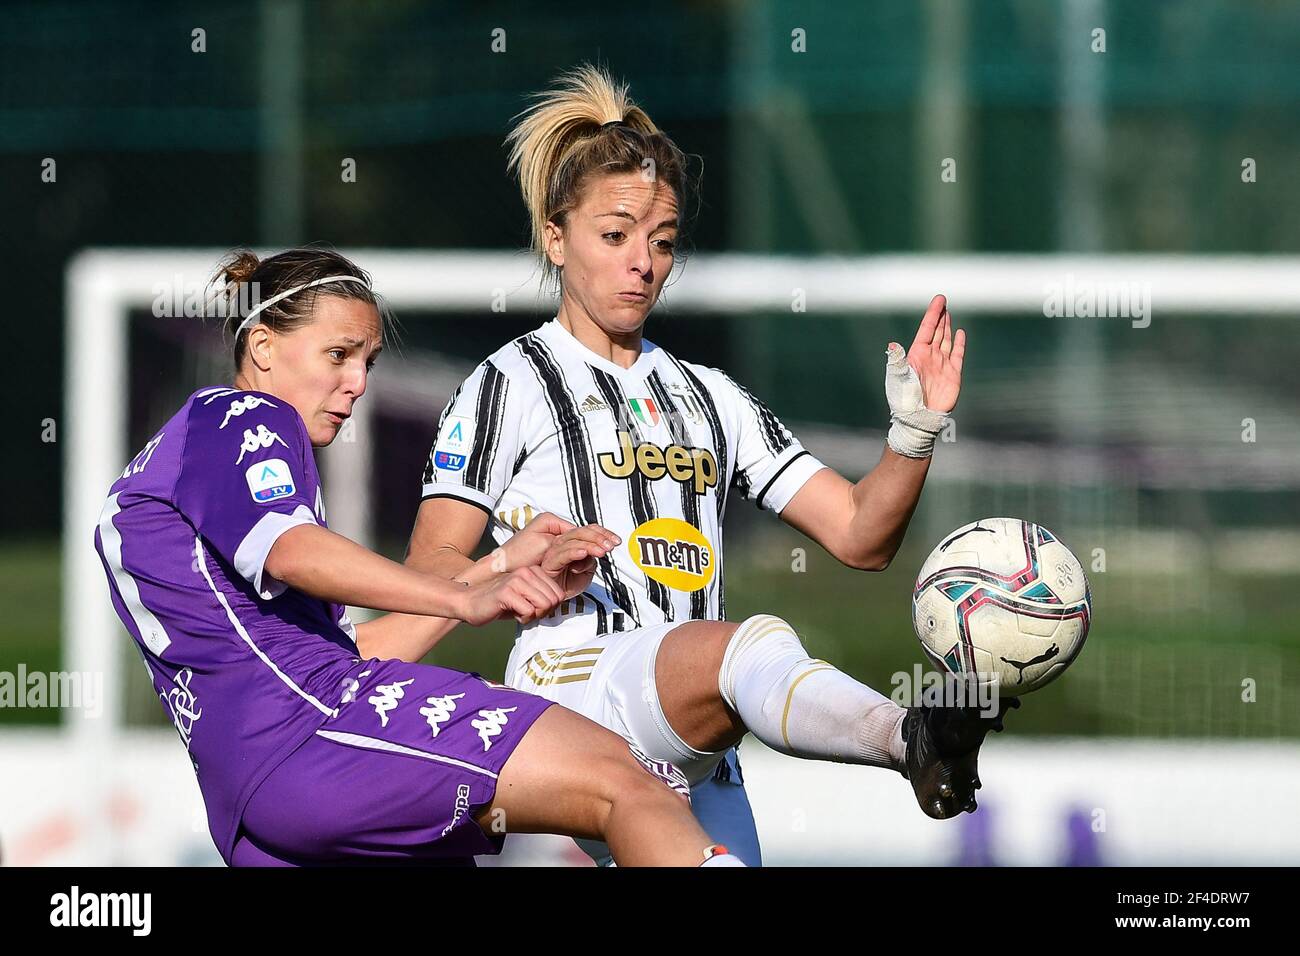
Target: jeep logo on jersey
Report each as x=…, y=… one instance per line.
x=673, y=553
x=269, y=480
x=695, y=466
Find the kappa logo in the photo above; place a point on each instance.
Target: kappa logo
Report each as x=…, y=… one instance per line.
x=439, y=710
x=183, y=705
x=490, y=723
x=246, y=404
x=257, y=440
x=269, y=480
x=351, y=686
x=687, y=465
x=387, y=697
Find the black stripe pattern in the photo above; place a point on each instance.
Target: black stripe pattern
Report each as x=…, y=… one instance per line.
x=690, y=500
x=429, y=471
x=640, y=500
x=718, y=436
x=602, y=613
x=579, y=468
x=488, y=414
x=775, y=435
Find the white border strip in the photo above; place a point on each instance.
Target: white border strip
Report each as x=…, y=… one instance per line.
x=203, y=566
x=152, y=632
x=374, y=743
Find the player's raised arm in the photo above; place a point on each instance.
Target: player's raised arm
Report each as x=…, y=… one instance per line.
x=445, y=534
x=447, y=531
x=328, y=566
x=863, y=524
x=438, y=552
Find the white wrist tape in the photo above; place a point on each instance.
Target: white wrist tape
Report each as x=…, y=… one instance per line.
x=913, y=427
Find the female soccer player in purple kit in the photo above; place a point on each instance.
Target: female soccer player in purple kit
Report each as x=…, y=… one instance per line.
x=313, y=744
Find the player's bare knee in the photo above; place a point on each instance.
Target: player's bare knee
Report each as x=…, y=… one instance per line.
x=717, y=637
x=643, y=782
x=624, y=783
x=693, y=649
x=720, y=638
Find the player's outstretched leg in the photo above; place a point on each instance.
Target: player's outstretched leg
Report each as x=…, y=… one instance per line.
x=570, y=775
x=716, y=680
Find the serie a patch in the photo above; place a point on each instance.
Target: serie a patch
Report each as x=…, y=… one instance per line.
x=454, y=442
x=269, y=480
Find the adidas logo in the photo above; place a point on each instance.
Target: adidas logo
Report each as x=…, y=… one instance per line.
x=592, y=404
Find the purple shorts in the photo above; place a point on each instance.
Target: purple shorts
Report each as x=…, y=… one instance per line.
x=395, y=778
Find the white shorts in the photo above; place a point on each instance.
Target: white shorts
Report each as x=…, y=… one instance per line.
x=611, y=680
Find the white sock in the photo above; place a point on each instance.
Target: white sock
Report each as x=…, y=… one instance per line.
x=806, y=707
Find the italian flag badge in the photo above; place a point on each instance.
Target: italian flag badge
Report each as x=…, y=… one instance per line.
x=644, y=409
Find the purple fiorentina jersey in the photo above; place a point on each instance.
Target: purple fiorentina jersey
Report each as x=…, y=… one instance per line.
x=246, y=669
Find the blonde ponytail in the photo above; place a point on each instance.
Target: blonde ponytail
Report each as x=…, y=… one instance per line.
x=586, y=123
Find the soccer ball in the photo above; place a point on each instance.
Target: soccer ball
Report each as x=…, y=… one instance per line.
x=1002, y=599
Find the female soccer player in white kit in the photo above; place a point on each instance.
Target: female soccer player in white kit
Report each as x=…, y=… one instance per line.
x=588, y=422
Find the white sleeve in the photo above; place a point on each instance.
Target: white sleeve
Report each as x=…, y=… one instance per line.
x=771, y=464
x=250, y=556
x=478, y=441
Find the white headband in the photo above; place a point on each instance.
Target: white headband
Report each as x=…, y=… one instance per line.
x=288, y=292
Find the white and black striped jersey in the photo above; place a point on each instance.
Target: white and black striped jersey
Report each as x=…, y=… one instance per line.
x=649, y=452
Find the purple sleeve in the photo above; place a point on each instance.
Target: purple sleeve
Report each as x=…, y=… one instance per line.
x=246, y=477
